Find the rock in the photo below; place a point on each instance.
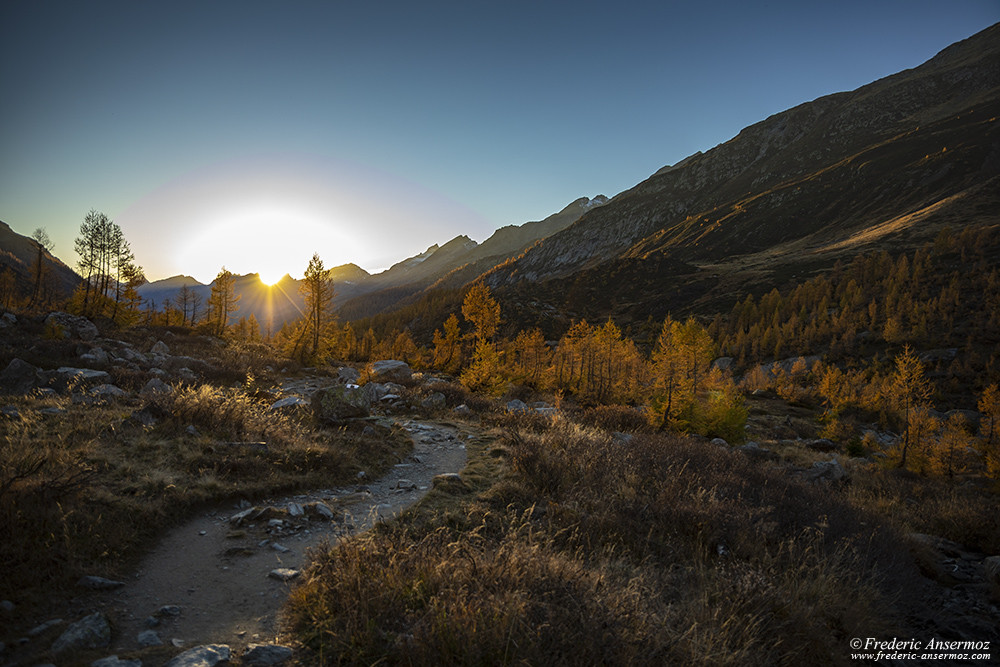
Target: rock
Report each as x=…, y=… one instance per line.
x=156, y=387
x=201, y=656
x=192, y=431
x=719, y=442
x=991, y=570
x=462, y=409
x=434, y=401
x=348, y=375
x=284, y=574
x=289, y=403
x=320, y=508
x=159, y=347
x=39, y=629
x=71, y=326
x=7, y=320
x=99, y=583
x=826, y=471
x=7, y=606
x=10, y=412
x=107, y=393
x=405, y=484
x=95, y=355
x=115, y=661
x=20, y=377
x=723, y=363
x=66, y=377
x=517, y=406
x=338, y=404
x=548, y=411
x=149, y=638
x=389, y=370
x=295, y=509
x=822, y=445
x=168, y=610
x=94, y=631
x=261, y=655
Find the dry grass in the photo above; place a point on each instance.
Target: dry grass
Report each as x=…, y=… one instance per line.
x=589, y=550
x=85, y=491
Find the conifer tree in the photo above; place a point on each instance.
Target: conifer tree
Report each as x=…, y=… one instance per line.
x=910, y=390
x=317, y=288
x=222, y=301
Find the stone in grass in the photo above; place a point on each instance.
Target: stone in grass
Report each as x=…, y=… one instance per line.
x=261, y=655
x=99, y=583
x=115, y=661
x=208, y=655
x=90, y=632
x=168, y=610
x=149, y=638
x=284, y=574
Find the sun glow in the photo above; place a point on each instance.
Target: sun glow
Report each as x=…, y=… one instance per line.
x=270, y=278
x=270, y=241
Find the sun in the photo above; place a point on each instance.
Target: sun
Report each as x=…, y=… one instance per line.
x=271, y=277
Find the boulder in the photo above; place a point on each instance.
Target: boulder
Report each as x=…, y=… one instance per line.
x=338, y=404
x=348, y=375
x=289, y=403
x=208, y=655
x=517, y=406
x=719, y=442
x=156, y=387
x=7, y=320
x=107, y=392
x=389, y=370
x=284, y=574
x=159, y=347
x=71, y=326
x=262, y=655
x=434, y=401
x=95, y=355
x=115, y=661
x=94, y=631
x=66, y=377
x=826, y=471
x=149, y=638
x=723, y=363
x=822, y=445
x=20, y=377
x=991, y=570
x=462, y=409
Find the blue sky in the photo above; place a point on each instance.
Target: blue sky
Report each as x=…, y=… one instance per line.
x=252, y=134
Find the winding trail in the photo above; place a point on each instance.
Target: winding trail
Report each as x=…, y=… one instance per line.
x=217, y=572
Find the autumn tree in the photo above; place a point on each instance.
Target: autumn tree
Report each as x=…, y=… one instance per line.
x=43, y=245
x=483, y=312
x=223, y=301
x=989, y=405
x=447, y=345
x=910, y=390
x=317, y=288
x=108, y=268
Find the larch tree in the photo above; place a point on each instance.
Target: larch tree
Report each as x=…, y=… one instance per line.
x=317, y=288
x=222, y=301
x=482, y=310
x=910, y=390
x=43, y=245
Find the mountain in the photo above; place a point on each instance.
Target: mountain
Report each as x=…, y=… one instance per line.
x=18, y=253
x=883, y=166
x=453, y=264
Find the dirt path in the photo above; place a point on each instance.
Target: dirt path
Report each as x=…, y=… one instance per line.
x=217, y=572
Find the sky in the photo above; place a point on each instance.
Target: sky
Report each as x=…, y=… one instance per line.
x=252, y=134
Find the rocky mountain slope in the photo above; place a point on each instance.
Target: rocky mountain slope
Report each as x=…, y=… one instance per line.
x=18, y=253
x=455, y=263
x=889, y=163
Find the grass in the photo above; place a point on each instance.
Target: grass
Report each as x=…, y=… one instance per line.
x=87, y=490
x=578, y=548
